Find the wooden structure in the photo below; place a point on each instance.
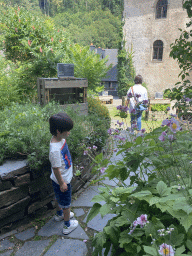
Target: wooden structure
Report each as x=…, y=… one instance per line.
x=66, y=90
x=106, y=99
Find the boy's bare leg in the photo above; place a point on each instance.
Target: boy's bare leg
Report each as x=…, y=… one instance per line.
x=66, y=213
x=57, y=206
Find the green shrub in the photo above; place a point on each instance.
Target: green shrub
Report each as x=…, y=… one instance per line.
x=24, y=132
x=159, y=107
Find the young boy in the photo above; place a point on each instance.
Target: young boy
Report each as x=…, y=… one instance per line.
x=62, y=170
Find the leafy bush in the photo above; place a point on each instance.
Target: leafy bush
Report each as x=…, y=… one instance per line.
x=154, y=211
x=24, y=132
x=159, y=107
x=100, y=118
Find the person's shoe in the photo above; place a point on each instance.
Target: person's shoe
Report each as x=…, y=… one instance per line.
x=61, y=217
x=73, y=225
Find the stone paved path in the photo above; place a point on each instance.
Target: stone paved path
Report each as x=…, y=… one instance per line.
x=48, y=239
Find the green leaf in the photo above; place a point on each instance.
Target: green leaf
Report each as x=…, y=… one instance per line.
x=93, y=212
x=113, y=233
x=105, y=209
x=114, y=199
x=183, y=205
x=98, y=198
x=99, y=157
x=138, y=140
x=162, y=189
x=125, y=238
x=143, y=195
x=189, y=244
x=151, y=251
x=180, y=250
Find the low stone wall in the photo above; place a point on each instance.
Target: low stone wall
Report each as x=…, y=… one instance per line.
x=24, y=191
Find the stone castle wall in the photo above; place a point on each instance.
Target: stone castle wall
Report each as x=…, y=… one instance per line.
x=142, y=29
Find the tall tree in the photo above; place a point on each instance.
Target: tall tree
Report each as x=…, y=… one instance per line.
x=126, y=71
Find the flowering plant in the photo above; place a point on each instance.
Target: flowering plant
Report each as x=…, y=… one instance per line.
x=152, y=207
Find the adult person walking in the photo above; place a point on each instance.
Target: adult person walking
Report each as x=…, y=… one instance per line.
x=137, y=100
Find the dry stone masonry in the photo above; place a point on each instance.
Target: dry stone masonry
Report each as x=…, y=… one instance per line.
x=24, y=191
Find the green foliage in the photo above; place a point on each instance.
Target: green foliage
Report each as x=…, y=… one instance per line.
x=160, y=189
x=99, y=115
x=126, y=71
x=24, y=133
x=98, y=27
x=159, y=107
x=88, y=65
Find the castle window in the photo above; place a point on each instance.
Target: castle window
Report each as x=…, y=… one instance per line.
x=158, y=50
x=161, y=9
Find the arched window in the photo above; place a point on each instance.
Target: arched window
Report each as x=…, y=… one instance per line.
x=158, y=50
x=161, y=9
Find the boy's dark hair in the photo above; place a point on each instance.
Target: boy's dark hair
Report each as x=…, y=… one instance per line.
x=61, y=122
x=138, y=79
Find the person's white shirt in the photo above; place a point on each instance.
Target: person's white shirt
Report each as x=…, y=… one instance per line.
x=138, y=89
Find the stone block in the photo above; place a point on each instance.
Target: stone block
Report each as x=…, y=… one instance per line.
x=12, y=218
x=37, y=184
x=13, y=195
x=5, y=185
x=20, y=205
x=37, y=205
x=22, y=180
x=11, y=168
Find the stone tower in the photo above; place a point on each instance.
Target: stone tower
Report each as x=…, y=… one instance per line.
x=150, y=27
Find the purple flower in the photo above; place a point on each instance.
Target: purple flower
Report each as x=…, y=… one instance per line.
x=129, y=95
x=145, y=102
x=161, y=138
x=133, y=111
x=117, y=131
x=103, y=170
x=81, y=167
x=164, y=133
x=168, y=108
x=109, y=131
x=116, y=136
x=94, y=147
x=121, y=138
x=88, y=148
x=124, y=109
x=143, y=130
x=142, y=220
x=166, y=250
x=119, y=107
x=85, y=152
x=173, y=115
x=137, y=95
x=166, y=122
x=174, y=125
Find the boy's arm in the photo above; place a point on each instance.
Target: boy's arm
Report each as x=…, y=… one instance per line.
x=62, y=184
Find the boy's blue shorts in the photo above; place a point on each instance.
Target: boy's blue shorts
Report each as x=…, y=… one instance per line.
x=63, y=198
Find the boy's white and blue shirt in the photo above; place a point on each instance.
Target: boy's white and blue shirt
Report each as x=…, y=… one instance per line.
x=59, y=156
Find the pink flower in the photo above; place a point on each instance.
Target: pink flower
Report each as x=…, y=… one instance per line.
x=166, y=250
x=137, y=95
x=85, y=152
x=117, y=131
x=142, y=220
x=115, y=150
x=88, y=148
x=171, y=137
x=168, y=108
x=164, y=133
x=94, y=147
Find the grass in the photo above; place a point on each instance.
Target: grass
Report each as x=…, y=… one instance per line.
x=149, y=125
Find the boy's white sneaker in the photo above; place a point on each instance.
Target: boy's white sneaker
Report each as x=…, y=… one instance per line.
x=73, y=225
x=61, y=217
